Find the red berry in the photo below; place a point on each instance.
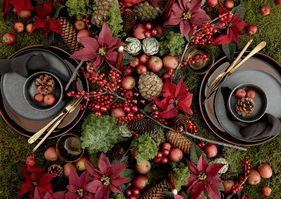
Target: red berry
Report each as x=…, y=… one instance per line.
x=251, y=93
x=252, y=29
x=278, y=2
x=136, y=192
x=30, y=161
x=148, y=26
x=128, y=192
x=157, y=160
x=147, y=34
x=164, y=160
x=265, y=10
x=212, y=3
x=166, y=146
x=165, y=152
x=19, y=26
x=49, y=99
x=240, y=93
x=229, y=4
x=154, y=32
x=159, y=155
x=38, y=97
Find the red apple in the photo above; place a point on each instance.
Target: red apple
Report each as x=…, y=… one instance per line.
x=155, y=64
x=83, y=33
x=165, y=152
x=164, y=160
x=143, y=167
x=128, y=82
x=25, y=14
x=144, y=58
x=38, y=97
x=19, y=26
x=277, y=2
x=135, y=62
x=266, y=191
x=252, y=29
x=141, y=69
x=157, y=160
x=265, y=170
x=30, y=28
x=51, y=154
x=81, y=164
x=140, y=181
x=79, y=25
x=117, y=112
x=240, y=93
x=170, y=62
x=30, y=161
x=9, y=38
x=227, y=186
x=49, y=99
x=265, y=10
x=176, y=155
x=166, y=146
x=251, y=93
x=139, y=31
x=212, y=3
x=211, y=150
x=67, y=168
x=229, y=4
x=254, y=177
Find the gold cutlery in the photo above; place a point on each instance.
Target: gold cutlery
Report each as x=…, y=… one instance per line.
x=71, y=108
x=233, y=67
x=67, y=109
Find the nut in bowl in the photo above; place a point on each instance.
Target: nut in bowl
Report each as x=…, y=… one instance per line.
x=247, y=103
x=43, y=90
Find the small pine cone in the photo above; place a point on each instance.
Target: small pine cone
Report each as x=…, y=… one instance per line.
x=140, y=126
x=45, y=84
x=157, y=191
x=69, y=35
x=179, y=140
x=56, y=169
x=180, y=123
x=129, y=20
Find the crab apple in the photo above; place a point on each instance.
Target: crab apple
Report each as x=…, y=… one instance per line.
x=81, y=164
x=164, y=160
x=139, y=31
x=266, y=191
x=154, y=32
x=51, y=154
x=144, y=58
x=38, y=97
x=240, y=93
x=265, y=10
x=136, y=192
x=211, y=150
x=128, y=82
x=265, y=170
x=252, y=29
x=140, y=181
x=129, y=94
x=135, y=62
x=67, y=168
x=49, y=99
x=227, y=186
x=157, y=160
x=277, y=2
x=147, y=34
x=79, y=25
x=83, y=33
x=30, y=161
x=165, y=152
x=212, y=3
x=254, y=177
x=143, y=167
x=251, y=93
x=170, y=62
x=176, y=155
x=117, y=112
x=141, y=69
x=166, y=146
x=30, y=28
x=9, y=38
x=19, y=26
x=155, y=64
x=229, y=4
x=25, y=14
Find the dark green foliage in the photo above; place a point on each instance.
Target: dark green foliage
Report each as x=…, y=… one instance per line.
x=172, y=44
x=79, y=8
x=115, y=21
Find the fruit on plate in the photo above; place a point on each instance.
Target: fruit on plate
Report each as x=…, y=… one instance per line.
x=140, y=181
x=155, y=64
x=51, y=154
x=150, y=85
x=265, y=170
x=67, y=168
x=81, y=164
x=265, y=10
x=19, y=26
x=38, y=97
x=211, y=150
x=251, y=93
x=266, y=191
x=176, y=155
x=9, y=38
x=128, y=82
x=49, y=99
x=227, y=186
x=143, y=167
x=254, y=177
x=170, y=62
x=240, y=93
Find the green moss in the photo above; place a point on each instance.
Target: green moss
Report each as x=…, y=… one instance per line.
x=172, y=44
x=78, y=8
x=115, y=21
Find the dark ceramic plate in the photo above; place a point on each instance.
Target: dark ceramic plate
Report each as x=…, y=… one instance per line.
x=259, y=62
x=27, y=127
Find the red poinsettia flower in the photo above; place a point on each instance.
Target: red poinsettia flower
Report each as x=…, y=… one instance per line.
x=19, y=5
x=176, y=97
x=77, y=186
x=44, y=20
x=35, y=178
x=187, y=13
x=98, y=50
x=106, y=178
x=39, y=195
x=204, y=178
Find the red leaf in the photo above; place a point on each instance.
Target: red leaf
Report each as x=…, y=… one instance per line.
x=20, y=5
x=202, y=164
x=44, y=10
x=222, y=40
x=84, y=55
x=169, y=89
x=170, y=112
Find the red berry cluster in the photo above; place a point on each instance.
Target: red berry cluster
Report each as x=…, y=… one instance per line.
x=225, y=19
x=204, y=35
x=155, y=114
x=198, y=58
x=150, y=30
x=132, y=193
x=87, y=22
x=124, y=8
x=238, y=186
x=162, y=156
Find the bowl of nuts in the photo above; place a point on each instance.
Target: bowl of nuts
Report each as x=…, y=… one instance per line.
x=247, y=103
x=43, y=90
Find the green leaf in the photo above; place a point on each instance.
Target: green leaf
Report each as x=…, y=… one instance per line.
x=239, y=10
x=195, y=153
x=128, y=173
x=229, y=49
x=58, y=9
x=127, y=58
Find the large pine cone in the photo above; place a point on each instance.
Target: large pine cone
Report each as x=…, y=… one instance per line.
x=45, y=84
x=129, y=20
x=101, y=9
x=150, y=85
x=143, y=126
x=157, y=191
x=146, y=12
x=179, y=140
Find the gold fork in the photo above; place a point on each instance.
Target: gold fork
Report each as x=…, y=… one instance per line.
x=35, y=137
x=54, y=126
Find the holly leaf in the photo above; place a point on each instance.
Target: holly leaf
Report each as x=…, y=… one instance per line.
x=239, y=10
x=229, y=50
x=127, y=58
x=195, y=153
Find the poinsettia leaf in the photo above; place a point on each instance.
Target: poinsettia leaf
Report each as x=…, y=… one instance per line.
x=127, y=58
x=195, y=153
x=58, y=9
x=239, y=10
x=229, y=50
x=148, y=108
x=128, y=173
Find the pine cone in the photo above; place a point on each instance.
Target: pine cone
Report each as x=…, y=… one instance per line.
x=146, y=12
x=179, y=140
x=180, y=123
x=157, y=191
x=116, y=153
x=150, y=85
x=69, y=35
x=45, y=84
x=101, y=9
x=129, y=20
x=143, y=126
x=56, y=169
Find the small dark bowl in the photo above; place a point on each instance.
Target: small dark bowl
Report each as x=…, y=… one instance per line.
x=260, y=103
x=29, y=91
